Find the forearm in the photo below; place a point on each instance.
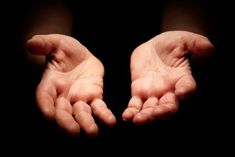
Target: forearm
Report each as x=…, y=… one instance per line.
x=47, y=19
x=183, y=16
x=186, y=16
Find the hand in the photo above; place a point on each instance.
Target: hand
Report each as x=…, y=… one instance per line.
x=161, y=75
x=71, y=87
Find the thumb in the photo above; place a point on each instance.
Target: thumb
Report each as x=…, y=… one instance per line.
x=198, y=45
x=48, y=44
x=41, y=44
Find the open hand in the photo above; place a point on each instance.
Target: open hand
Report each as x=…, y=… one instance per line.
x=161, y=75
x=71, y=87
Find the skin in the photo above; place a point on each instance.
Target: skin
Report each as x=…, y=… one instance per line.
x=70, y=91
x=161, y=75
x=71, y=88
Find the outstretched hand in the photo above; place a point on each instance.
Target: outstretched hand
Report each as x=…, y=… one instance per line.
x=161, y=75
x=71, y=87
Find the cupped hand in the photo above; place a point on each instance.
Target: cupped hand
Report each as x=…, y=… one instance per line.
x=161, y=75
x=71, y=88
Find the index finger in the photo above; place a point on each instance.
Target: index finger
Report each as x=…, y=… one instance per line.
x=45, y=97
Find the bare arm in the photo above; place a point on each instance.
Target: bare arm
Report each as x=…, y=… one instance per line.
x=71, y=88
x=187, y=16
x=160, y=71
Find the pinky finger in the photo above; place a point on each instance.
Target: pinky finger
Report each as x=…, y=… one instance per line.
x=101, y=111
x=45, y=101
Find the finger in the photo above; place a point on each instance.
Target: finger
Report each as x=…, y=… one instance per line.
x=134, y=106
x=168, y=106
x=64, y=116
x=150, y=103
x=45, y=97
x=46, y=44
x=82, y=112
x=185, y=87
x=101, y=111
x=39, y=44
x=145, y=115
x=198, y=44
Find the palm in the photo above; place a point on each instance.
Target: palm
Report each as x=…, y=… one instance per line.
x=154, y=75
x=71, y=87
x=160, y=76
x=81, y=81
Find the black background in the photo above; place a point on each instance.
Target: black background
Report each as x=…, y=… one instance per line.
x=203, y=124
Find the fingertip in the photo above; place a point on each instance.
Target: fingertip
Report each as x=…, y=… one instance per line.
x=73, y=130
x=48, y=112
x=207, y=46
x=128, y=115
x=33, y=43
x=111, y=121
x=133, y=108
x=201, y=46
x=29, y=44
x=92, y=131
x=157, y=112
x=38, y=45
x=140, y=120
x=181, y=94
x=100, y=110
x=125, y=116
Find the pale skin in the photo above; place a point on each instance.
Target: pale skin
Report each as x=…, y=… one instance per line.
x=161, y=75
x=71, y=88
